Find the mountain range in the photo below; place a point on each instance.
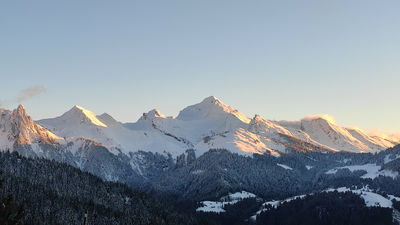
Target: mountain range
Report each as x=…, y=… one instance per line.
x=210, y=124
x=209, y=151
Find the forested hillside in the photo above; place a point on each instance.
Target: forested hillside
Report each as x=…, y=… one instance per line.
x=55, y=193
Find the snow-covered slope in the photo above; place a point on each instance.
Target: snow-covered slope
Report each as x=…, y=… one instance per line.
x=370, y=197
x=230, y=199
x=393, y=138
x=267, y=128
x=80, y=122
x=17, y=129
x=212, y=124
x=323, y=130
x=375, y=143
x=211, y=108
x=207, y=118
x=203, y=126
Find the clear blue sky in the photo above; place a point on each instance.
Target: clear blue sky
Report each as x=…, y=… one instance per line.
x=280, y=59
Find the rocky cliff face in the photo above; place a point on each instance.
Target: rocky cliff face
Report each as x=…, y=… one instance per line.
x=17, y=128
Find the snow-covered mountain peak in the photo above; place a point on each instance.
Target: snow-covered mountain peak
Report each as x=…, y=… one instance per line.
x=259, y=125
x=212, y=124
x=325, y=117
x=21, y=111
x=21, y=116
x=82, y=115
x=108, y=120
x=210, y=107
x=154, y=113
x=323, y=128
x=212, y=100
x=18, y=128
x=257, y=118
x=373, y=142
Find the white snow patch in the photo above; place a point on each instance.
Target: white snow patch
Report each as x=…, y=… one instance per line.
x=274, y=204
x=196, y=172
x=389, y=158
x=218, y=206
x=284, y=166
x=241, y=195
x=370, y=198
x=373, y=171
x=391, y=197
x=210, y=206
x=91, y=116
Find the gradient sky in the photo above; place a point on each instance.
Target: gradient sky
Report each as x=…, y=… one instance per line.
x=280, y=59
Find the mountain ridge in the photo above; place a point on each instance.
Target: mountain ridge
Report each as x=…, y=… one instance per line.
x=207, y=125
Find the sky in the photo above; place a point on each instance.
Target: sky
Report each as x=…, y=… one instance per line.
x=279, y=59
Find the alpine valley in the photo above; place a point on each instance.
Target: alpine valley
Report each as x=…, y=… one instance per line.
x=211, y=164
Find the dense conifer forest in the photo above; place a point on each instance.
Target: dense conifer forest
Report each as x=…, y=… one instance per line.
x=54, y=193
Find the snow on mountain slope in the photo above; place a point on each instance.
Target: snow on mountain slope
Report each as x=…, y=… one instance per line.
x=230, y=199
x=211, y=107
x=145, y=121
x=80, y=122
x=17, y=128
x=108, y=120
x=280, y=138
x=209, y=117
x=373, y=171
x=371, y=199
x=194, y=123
x=374, y=143
x=325, y=131
x=212, y=124
x=240, y=141
x=294, y=127
x=393, y=138
x=259, y=125
x=84, y=115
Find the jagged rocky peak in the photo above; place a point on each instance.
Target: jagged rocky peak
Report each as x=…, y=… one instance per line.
x=18, y=128
x=154, y=113
x=210, y=107
x=257, y=118
x=20, y=116
x=21, y=112
x=261, y=125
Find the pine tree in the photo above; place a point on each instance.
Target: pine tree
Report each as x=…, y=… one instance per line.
x=10, y=213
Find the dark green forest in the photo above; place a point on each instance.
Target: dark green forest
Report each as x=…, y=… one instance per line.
x=48, y=192
x=36, y=191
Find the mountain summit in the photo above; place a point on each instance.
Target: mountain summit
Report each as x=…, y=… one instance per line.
x=210, y=107
x=79, y=114
x=213, y=124
x=17, y=129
